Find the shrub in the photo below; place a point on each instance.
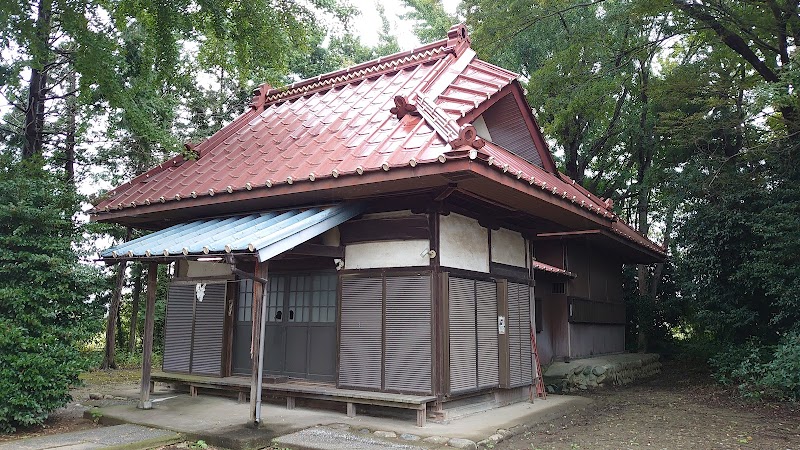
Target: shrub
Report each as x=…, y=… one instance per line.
x=45, y=308
x=782, y=376
x=762, y=371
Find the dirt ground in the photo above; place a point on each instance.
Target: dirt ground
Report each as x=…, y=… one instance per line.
x=680, y=409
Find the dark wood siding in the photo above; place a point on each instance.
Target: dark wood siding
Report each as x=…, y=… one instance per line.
x=370, y=229
x=584, y=310
x=509, y=130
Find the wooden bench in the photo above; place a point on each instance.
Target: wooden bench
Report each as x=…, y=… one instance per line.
x=352, y=398
x=315, y=391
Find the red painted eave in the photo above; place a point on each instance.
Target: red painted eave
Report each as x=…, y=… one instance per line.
x=542, y=267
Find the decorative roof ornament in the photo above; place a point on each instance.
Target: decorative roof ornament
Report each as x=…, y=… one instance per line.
x=403, y=107
x=458, y=37
x=260, y=97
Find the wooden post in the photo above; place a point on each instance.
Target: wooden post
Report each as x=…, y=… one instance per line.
x=147, y=344
x=255, y=381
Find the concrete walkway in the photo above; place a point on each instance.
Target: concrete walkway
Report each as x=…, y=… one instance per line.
x=120, y=437
x=223, y=421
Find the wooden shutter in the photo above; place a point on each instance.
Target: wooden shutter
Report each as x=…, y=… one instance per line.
x=193, y=330
x=408, y=334
x=473, y=334
x=209, y=316
x=486, y=321
x=519, y=339
x=178, y=328
x=361, y=327
x=462, y=335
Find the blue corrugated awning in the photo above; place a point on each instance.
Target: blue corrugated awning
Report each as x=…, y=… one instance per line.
x=266, y=234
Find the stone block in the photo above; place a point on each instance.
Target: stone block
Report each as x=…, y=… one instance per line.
x=409, y=437
x=462, y=443
x=438, y=440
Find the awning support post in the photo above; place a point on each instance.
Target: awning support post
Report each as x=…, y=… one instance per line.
x=260, y=288
x=147, y=344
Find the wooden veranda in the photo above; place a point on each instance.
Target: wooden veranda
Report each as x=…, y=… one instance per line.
x=294, y=389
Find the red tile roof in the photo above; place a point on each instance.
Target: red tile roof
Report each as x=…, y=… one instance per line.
x=552, y=269
x=398, y=111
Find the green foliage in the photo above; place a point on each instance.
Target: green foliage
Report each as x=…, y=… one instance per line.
x=431, y=21
x=740, y=238
x=47, y=311
x=96, y=414
x=762, y=371
x=200, y=444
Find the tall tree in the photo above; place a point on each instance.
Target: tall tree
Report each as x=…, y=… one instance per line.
x=765, y=35
x=48, y=306
x=430, y=20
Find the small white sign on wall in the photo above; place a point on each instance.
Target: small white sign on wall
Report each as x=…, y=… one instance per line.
x=501, y=324
x=200, y=291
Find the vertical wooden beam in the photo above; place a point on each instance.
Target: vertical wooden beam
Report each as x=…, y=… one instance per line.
x=502, y=339
x=147, y=344
x=255, y=343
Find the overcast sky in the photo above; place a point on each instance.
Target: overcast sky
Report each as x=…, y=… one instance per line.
x=372, y=23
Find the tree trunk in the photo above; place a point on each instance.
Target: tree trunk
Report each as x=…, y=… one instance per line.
x=644, y=157
x=72, y=112
x=37, y=88
x=137, y=291
x=109, y=357
x=659, y=270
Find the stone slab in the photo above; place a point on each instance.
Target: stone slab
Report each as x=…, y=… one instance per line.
x=323, y=438
x=127, y=436
x=224, y=422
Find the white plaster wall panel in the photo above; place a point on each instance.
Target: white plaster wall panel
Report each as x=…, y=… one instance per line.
x=481, y=129
x=373, y=255
x=508, y=247
x=198, y=269
x=463, y=243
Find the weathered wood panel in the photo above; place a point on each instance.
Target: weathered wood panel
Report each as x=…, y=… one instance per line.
x=584, y=310
x=385, y=229
x=592, y=339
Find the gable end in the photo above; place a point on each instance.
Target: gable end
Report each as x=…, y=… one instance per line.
x=508, y=129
